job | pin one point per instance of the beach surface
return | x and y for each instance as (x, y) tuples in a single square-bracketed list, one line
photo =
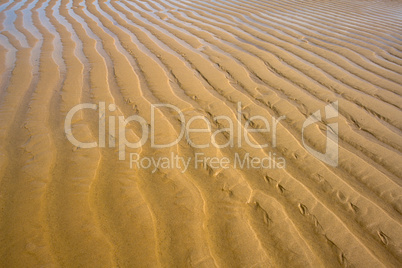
[(281, 120)]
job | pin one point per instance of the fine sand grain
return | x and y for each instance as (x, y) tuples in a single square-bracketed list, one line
[(66, 206)]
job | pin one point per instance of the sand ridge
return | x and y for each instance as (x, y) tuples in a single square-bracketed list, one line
[(64, 206)]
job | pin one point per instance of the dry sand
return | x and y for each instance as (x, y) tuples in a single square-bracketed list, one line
[(63, 206)]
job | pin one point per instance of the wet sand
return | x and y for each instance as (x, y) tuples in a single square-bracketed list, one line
[(66, 206)]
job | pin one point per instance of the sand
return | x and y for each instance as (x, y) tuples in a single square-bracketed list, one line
[(216, 62)]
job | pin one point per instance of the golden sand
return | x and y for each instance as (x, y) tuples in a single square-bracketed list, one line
[(66, 206)]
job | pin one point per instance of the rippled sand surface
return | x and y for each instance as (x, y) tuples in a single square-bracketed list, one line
[(66, 206)]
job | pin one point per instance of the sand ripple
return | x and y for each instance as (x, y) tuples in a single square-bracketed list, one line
[(62, 206)]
